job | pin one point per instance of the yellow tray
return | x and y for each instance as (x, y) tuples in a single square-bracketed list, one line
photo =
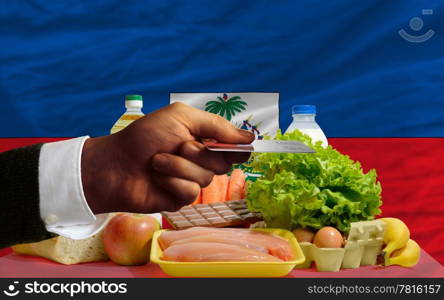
[(230, 268)]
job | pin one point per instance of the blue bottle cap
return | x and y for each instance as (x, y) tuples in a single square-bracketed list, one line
[(303, 109)]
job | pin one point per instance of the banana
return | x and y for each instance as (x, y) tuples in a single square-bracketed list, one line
[(407, 256), (396, 236)]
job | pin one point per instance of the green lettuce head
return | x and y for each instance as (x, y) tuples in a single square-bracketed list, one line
[(312, 190)]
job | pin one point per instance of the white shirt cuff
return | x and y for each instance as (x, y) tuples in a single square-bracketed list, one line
[(63, 205)]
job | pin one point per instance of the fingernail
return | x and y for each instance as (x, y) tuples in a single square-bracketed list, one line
[(159, 161), (195, 148), (246, 133), (191, 150)]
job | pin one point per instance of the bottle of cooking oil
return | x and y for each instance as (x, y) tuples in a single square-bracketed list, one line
[(133, 104)]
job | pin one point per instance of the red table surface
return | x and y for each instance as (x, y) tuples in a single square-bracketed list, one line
[(16, 266)]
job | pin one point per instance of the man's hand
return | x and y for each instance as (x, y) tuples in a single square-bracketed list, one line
[(157, 163)]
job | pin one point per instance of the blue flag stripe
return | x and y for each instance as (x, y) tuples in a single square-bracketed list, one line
[(65, 66)]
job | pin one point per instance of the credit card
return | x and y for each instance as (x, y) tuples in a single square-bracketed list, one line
[(261, 146)]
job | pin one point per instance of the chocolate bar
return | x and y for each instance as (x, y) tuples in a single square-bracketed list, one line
[(220, 214)]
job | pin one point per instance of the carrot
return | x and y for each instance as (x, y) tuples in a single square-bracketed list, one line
[(236, 186), (216, 191), (224, 187), (198, 198)]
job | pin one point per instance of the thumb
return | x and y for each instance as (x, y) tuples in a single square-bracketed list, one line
[(203, 124)]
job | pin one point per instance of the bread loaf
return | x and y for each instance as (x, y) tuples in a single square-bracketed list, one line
[(67, 251)]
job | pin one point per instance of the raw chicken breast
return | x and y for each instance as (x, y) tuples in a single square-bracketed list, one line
[(195, 252), (251, 239), (170, 236), (220, 239)]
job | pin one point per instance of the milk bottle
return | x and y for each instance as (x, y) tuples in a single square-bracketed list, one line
[(304, 120)]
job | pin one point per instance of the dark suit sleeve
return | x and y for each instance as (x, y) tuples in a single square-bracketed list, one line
[(20, 220)]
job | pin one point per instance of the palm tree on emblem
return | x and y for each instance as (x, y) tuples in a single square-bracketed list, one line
[(225, 107)]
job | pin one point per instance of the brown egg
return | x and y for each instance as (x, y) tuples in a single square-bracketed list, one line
[(328, 237), (303, 235)]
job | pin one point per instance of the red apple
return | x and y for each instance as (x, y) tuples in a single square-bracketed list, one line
[(127, 238)]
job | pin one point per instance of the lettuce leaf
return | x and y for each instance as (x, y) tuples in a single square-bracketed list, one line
[(312, 190)]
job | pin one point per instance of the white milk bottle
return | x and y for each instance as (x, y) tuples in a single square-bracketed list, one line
[(304, 120), (133, 104)]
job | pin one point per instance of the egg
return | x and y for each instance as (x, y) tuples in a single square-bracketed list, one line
[(328, 237), (303, 235)]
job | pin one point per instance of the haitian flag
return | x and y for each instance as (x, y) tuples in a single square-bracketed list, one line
[(255, 112), (374, 69)]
